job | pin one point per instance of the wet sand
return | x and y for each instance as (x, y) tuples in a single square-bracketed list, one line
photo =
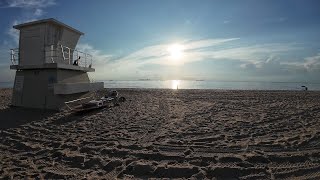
[(168, 134)]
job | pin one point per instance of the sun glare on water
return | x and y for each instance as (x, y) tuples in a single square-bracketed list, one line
[(175, 84), (175, 51)]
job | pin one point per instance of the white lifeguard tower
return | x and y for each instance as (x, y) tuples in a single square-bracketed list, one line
[(46, 75)]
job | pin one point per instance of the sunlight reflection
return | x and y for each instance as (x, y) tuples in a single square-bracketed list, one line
[(175, 84)]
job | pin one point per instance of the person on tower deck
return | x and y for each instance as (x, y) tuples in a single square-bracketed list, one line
[(76, 62)]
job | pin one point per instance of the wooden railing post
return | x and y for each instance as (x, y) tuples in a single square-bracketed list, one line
[(52, 54), (69, 56)]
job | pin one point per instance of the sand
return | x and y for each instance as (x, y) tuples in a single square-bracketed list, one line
[(168, 134)]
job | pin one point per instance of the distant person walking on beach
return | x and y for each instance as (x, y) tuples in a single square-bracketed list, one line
[(305, 88)]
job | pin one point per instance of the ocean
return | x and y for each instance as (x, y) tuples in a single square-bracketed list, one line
[(188, 84)]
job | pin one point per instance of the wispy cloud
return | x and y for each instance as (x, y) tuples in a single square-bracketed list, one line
[(208, 49), (205, 43), (312, 63), (101, 61), (276, 20), (28, 3), (38, 12), (272, 65), (226, 22), (13, 33), (100, 58), (159, 54), (252, 53), (301, 69), (307, 64), (258, 56)]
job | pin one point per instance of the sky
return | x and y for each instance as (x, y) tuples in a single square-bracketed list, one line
[(230, 40)]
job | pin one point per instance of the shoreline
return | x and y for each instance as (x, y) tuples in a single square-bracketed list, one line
[(170, 89), (224, 85)]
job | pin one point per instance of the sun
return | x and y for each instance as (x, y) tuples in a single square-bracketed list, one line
[(175, 51)]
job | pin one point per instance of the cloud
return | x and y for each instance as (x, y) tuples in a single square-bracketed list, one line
[(159, 54), (253, 53), (14, 33), (270, 66), (205, 43), (226, 49), (312, 63), (100, 61), (28, 3), (307, 64), (275, 68), (263, 58), (226, 22), (276, 20), (38, 12), (99, 57)]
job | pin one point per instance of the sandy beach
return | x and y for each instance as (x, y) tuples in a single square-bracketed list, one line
[(167, 134)]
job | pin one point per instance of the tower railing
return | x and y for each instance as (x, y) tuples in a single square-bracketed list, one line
[(14, 56), (66, 55), (58, 54)]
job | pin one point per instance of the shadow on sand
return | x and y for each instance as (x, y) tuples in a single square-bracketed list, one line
[(13, 117), (76, 116)]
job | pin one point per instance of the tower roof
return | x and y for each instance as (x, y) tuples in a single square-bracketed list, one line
[(50, 20)]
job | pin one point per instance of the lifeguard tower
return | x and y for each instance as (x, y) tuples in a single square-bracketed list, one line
[(46, 72)]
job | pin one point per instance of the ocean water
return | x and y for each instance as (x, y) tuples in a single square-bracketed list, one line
[(6, 84), (186, 84)]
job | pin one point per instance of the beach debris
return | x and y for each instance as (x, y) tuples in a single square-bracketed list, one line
[(112, 98)]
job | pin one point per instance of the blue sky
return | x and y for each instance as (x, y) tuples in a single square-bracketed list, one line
[(248, 40)]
